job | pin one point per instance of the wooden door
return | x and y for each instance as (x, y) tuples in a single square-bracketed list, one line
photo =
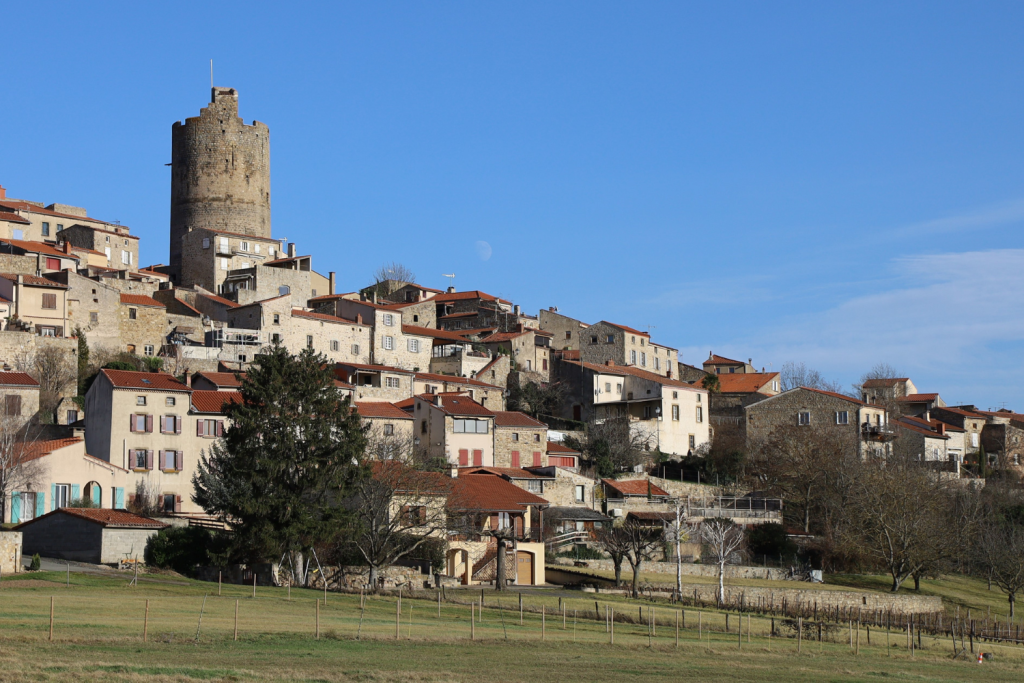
[(524, 568)]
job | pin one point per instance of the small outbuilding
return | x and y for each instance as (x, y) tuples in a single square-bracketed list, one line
[(93, 535)]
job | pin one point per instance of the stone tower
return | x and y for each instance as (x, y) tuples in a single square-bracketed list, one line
[(220, 173)]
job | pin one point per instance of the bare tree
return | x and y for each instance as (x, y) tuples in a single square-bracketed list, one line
[(390, 277), (1001, 554), (57, 374), (146, 501), (641, 543), (19, 464), (795, 375), (382, 444), (615, 444), (395, 512), (615, 541), (723, 540)]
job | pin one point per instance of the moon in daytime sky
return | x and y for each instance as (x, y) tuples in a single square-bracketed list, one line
[(483, 250)]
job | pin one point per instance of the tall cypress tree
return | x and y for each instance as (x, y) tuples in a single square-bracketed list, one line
[(291, 453)]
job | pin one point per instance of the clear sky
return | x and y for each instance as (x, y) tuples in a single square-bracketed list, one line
[(839, 184)]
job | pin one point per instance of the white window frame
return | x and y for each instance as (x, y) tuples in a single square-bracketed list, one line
[(393, 382), (803, 418), (389, 343), (842, 417), (389, 319), (414, 345)]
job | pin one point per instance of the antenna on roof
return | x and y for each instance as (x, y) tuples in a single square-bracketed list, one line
[(649, 328), (451, 278)]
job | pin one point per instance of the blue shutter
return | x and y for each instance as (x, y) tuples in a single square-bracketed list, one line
[(76, 492), (40, 504), (97, 496), (119, 498), (15, 508), (53, 497)]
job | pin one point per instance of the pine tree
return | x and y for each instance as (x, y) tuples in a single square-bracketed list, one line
[(291, 454)]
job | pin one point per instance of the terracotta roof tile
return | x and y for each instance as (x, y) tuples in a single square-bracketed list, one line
[(915, 398), (286, 259), (38, 248), (509, 418), (436, 334), (452, 379), (636, 372), (33, 280), (555, 447), (463, 296), (457, 404), (745, 383), (157, 381), (106, 518), (491, 493), (30, 450), (834, 394), (511, 472), (503, 337), (223, 379), (13, 218), (627, 329), (722, 360), (381, 409), (217, 299), (205, 401), (140, 300), (312, 315), (635, 487), (17, 379)]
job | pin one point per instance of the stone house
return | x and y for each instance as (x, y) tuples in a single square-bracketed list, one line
[(393, 343), (719, 365), (567, 333), (216, 381), (666, 414), (39, 258), (560, 455), (473, 310), (605, 341), (972, 422), (37, 304), (32, 221), (736, 392), (690, 373), (88, 535), (867, 425), (931, 441), (462, 360), (372, 383), (490, 396), (209, 256), (454, 428), (56, 472), (142, 322), (529, 350), (19, 397), (920, 404), (120, 249), (1003, 439), (534, 480), (519, 440), (496, 372), (389, 430), (95, 307), (886, 389)]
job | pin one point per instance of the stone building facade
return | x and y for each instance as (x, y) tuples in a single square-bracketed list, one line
[(120, 248), (210, 258), (530, 350), (454, 428), (605, 341), (519, 440), (967, 419), (220, 173), (490, 396), (142, 324)]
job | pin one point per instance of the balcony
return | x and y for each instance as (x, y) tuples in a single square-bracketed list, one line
[(877, 432)]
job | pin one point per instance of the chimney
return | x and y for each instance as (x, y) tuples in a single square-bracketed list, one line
[(330, 282), (941, 428), (927, 416), (517, 309), (750, 361), (188, 378), (359, 318), (609, 363), (453, 471), (451, 290), (3, 192), (66, 246), (291, 250), (437, 400), (373, 296)]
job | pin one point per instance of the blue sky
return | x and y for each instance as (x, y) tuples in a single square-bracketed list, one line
[(828, 183)]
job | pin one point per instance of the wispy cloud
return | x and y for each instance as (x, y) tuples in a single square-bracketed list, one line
[(985, 217), (954, 320)]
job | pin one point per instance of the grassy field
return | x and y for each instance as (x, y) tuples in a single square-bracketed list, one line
[(98, 635)]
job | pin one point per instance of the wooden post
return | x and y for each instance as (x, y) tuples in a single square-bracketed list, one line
[(289, 591), (542, 622), (145, 624), (799, 633), (739, 634), (612, 624), (410, 621), (236, 619), (318, 618), (398, 617), (438, 604), (654, 623), (700, 625), (574, 626), (325, 589), (677, 628), (472, 621), (218, 583), (563, 614), (772, 628), (51, 617), (857, 650), (254, 584), (850, 623), (520, 609)]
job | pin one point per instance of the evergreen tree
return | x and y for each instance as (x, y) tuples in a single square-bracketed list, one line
[(83, 360), (291, 454)]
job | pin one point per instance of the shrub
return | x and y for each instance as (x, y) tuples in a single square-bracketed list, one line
[(184, 548), (36, 563), (769, 539)]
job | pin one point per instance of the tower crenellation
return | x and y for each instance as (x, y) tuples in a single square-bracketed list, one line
[(220, 173)]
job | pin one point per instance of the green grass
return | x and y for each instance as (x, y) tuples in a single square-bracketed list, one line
[(955, 590), (98, 628)]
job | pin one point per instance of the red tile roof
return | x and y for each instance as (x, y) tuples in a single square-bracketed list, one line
[(312, 315), (491, 493), (118, 519), (374, 368), (145, 271), (33, 280), (217, 299), (452, 379), (157, 381), (463, 296), (636, 372), (722, 360), (223, 379), (933, 424), (627, 329), (405, 404), (635, 487), (884, 382), (919, 398), (38, 248), (457, 404), (436, 334), (12, 217), (555, 447), (511, 472), (17, 379), (745, 383), (30, 450), (87, 250), (503, 337), (916, 426), (204, 401), (965, 413), (35, 208), (509, 418), (140, 300), (834, 394), (381, 409), (464, 314)]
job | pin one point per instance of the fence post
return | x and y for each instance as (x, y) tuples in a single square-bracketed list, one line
[(439, 604), (236, 619), (145, 624), (218, 583), (318, 618), (677, 628), (542, 622), (398, 617), (472, 620), (799, 633), (612, 612), (51, 617), (254, 583)]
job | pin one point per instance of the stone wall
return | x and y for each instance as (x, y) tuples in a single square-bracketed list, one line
[(148, 328), (562, 491), (10, 552), (530, 440), (19, 265), (120, 544), (18, 349), (94, 307), (782, 410), (356, 578), (689, 569)]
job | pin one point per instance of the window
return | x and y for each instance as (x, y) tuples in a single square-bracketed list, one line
[(284, 289), (275, 337), (536, 438), (415, 318), (223, 241), (223, 264), (580, 493), (675, 413), (314, 292), (140, 400), (529, 365), (700, 414), (647, 412), (94, 317), (643, 360), (170, 401), (414, 346), (139, 460), (632, 340), (72, 416), (206, 243), (50, 301), (607, 387), (610, 339), (245, 246), (52, 263), (170, 424), (657, 363), (355, 349), (515, 436), (842, 417), (618, 387), (257, 248), (632, 357), (47, 331), (309, 341), (392, 382), (170, 501), (974, 440), (389, 430), (18, 234), (133, 314), (803, 418), (277, 318), (126, 257), (147, 350), (389, 343), (535, 485), (62, 495), (46, 229), (335, 345), (167, 460), (209, 427), (693, 441), (775, 385), (675, 394), (515, 459), (12, 405), (568, 334), (698, 398), (389, 319), (106, 250), (271, 251), (545, 362), (470, 426)]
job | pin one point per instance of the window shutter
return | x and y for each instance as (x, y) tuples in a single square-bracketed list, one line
[(199, 428), (40, 506), (478, 458), (119, 498), (177, 503), (53, 497), (178, 460), (220, 427), (131, 422), (15, 507), (463, 457), (149, 423), (76, 492), (515, 458), (177, 424), (149, 460), (536, 458)]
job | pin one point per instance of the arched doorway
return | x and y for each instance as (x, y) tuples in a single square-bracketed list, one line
[(94, 493)]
